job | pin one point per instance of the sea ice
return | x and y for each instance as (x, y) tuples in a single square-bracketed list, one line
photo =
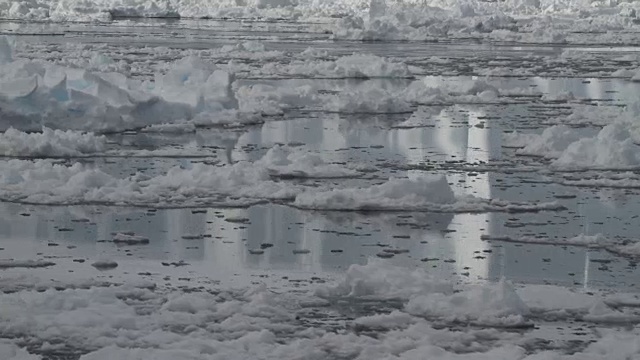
[(35, 94), (144, 323), (362, 66), (50, 143), (283, 161), (427, 193), (612, 147)]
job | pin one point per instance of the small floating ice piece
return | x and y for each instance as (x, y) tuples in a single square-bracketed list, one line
[(385, 255), (129, 238), (105, 265), (7, 264), (395, 251), (238, 220)]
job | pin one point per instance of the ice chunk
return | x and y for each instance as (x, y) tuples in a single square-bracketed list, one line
[(491, 304), (381, 279), (424, 295), (353, 66), (438, 89), (45, 182), (553, 141), (370, 100), (283, 161), (50, 143), (396, 194), (33, 94), (8, 264), (105, 265), (427, 193), (612, 147), (271, 100)]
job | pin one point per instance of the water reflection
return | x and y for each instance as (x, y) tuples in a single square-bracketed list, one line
[(450, 245)]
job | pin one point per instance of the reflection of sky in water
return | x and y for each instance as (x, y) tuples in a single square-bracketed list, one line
[(335, 240)]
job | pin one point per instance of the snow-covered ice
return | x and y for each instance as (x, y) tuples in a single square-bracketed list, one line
[(283, 161), (34, 94), (50, 143), (104, 322), (428, 193)]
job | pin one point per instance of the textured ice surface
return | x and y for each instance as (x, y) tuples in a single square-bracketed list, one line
[(35, 94), (140, 320), (529, 21), (45, 182), (427, 193), (353, 66), (239, 184), (612, 147), (50, 143), (286, 162)]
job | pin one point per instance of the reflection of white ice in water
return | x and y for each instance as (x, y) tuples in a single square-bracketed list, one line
[(620, 89), (473, 144), (456, 136), (225, 251)]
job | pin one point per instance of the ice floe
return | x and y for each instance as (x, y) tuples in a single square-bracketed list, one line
[(613, 147), (10, 264), (285, 162), (44, 182), (623, 247), (150, 322), (35, 94), (361, 66), (240, 184), (428, 193), (50, 143)]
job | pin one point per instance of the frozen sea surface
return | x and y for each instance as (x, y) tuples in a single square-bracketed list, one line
[(269, 188)]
